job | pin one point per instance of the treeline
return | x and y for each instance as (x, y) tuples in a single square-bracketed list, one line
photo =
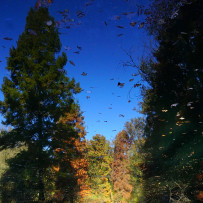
[(156, 158)]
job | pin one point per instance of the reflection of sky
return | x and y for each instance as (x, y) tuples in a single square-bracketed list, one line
[(101, 56)]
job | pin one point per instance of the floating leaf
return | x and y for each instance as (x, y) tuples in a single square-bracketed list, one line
[(121, 84), (137, 85), (49, 23), (7, 38), (119, 26), (141, 25), (72, 63), (133, 24), (80, 48)]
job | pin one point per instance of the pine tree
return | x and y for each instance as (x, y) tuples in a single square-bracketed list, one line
[(36, 95)]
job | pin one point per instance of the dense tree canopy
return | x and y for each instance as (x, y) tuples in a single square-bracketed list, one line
[(173, 107), (36, 95)]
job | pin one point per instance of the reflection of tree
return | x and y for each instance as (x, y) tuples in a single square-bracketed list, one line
[(173, 104), (36, 95), (120, 168), (99, 159)]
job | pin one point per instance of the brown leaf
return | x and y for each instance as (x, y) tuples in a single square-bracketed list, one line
[(133, 24), (119, 26), (72, 63)]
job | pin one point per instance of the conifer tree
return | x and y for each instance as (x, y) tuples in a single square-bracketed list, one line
[(36, 95)]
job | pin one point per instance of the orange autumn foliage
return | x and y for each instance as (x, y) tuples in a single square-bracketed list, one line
[(79, 162)]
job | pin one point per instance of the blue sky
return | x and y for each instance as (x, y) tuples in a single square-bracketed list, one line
[(102, 56)]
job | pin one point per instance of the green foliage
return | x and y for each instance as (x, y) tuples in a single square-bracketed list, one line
[(173, 107), (36, 95), (100, 159), (135, 130)]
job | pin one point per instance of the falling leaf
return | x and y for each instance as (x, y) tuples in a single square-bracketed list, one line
[(182, 118), (133, 24), (121, 115), (129, 101), (116, 17), (131, 80), (174, 105), (72, 63), (135, 74), (105, 121), (119, 35), (125, 13), (121, 84), (119, 26), (88, 97), (80, 48), (189, 103), (141, 25), (7, 38), (80, 14), (163, 135), (84, 74), (112, 79), (137, 85), (164, 110), (76, 52), (113, 130), (105, 23), (49, 23)]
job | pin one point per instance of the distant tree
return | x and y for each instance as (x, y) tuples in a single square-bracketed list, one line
[(135, 129), (36, 95), (99, 172), (120, 168)]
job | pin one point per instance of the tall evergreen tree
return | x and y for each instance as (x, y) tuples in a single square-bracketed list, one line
[(36, 95)]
